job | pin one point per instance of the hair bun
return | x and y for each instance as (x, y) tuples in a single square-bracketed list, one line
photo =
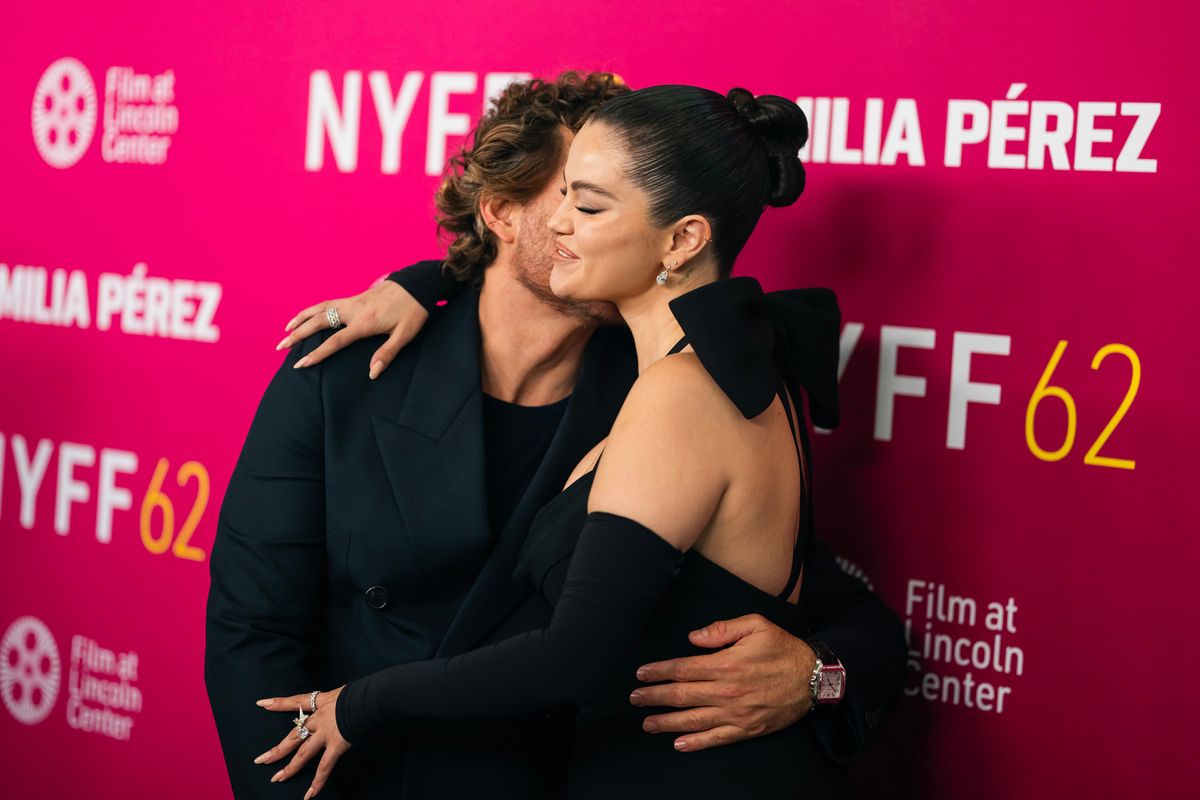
[(744, 104), (784, 129)]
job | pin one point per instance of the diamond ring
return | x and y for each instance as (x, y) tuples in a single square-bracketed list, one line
[(301, 731), (335, 321)]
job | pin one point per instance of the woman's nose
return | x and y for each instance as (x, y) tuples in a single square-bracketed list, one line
[(560, 221)]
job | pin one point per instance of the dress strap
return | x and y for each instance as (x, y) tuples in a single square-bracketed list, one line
[(805, 522)]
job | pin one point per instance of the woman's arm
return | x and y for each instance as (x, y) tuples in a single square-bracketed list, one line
[(428, 282), (398, 307), (639, 524), (615, 580)]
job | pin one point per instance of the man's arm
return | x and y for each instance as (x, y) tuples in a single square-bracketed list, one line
[(868, 638), (759, 682), (267, 567)]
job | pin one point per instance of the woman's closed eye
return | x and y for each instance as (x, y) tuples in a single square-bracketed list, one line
[(563, 191)]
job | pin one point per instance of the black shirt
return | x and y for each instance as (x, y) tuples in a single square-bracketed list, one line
[(516, 439)]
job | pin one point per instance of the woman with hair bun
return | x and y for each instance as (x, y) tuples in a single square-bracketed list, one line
[(696, 505)]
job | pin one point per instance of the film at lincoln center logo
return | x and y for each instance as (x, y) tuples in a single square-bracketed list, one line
[(64, 113), (30, 670), (137, 123)]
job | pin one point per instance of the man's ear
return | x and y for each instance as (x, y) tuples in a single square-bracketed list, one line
[(498, 216)]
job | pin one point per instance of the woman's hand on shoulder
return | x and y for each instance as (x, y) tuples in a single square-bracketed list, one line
[(386, 307), (662, 465)]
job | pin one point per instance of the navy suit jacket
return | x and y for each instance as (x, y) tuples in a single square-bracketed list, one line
[(354, 535)]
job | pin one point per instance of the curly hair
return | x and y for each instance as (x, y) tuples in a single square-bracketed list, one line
[(512, 153)]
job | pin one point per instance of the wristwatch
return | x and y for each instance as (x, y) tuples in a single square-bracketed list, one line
[(828, 681)]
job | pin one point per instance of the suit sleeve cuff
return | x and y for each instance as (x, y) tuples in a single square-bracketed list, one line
[(872, 688)]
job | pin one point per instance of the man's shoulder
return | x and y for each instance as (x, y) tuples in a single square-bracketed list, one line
[(366, 346), (350, 356), (349, 367), (611, 350)]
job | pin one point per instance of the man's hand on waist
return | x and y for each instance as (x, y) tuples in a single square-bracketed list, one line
[(757, 684)]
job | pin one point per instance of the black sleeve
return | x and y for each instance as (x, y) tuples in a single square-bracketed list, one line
[(867, 637), (428, 282), (616, 578), (267, 571)]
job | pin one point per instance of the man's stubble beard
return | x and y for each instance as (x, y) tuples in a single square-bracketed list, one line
[(533, 264)]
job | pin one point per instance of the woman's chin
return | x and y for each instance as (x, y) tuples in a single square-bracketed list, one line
[(564, 279)]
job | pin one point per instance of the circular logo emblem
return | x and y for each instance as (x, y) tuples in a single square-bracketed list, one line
[(29, 670), (850, 568), (64, 113)]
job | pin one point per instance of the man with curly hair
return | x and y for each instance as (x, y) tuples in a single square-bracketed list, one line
[(376, 519)]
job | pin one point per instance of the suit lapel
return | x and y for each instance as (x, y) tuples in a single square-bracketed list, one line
[(432, 447), (608, 370)]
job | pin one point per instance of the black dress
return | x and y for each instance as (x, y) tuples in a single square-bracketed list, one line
[(623, 596)]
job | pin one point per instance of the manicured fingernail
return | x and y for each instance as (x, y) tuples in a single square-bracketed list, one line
[(308, 794), (282, 343), (301, 363), (262, 758), (642, 674), (275, 777), (635, 697), (701, 633), (264, 703), (680, 744), (291, 324), (376, 368), (649, 726)]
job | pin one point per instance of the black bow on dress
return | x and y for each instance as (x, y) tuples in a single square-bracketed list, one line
[(741, 335)]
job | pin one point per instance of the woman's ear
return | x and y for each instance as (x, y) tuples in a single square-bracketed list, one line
[(497, 214), (690, 240)]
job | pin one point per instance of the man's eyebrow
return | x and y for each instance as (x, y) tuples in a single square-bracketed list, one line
[(591, 187)]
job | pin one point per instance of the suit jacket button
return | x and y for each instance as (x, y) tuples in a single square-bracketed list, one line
[(377, 597)]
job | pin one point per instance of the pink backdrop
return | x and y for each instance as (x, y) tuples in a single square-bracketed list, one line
[(982, 186)]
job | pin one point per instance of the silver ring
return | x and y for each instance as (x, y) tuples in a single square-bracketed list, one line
[(312, 701), (303, 732), (335, 321)]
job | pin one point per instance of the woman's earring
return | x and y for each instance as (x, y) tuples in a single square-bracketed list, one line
[(661, 280)]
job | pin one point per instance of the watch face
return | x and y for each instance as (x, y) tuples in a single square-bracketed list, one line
[(832, 684)]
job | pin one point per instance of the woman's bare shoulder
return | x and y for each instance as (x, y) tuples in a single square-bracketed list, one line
[(679, 382), (668, 435)]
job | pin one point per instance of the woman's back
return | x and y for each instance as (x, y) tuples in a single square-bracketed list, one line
[(751, 470), (612, 755), (741, 479)]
